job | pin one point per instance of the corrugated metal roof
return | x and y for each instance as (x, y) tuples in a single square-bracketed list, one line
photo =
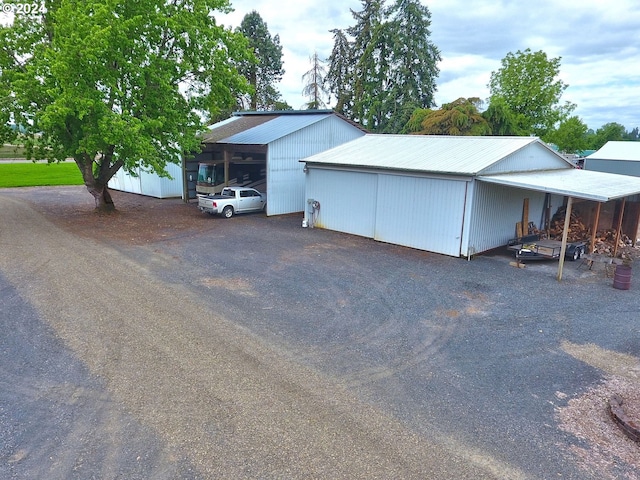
[(586, 184), (629, 151), (426, 153), (277, 127)]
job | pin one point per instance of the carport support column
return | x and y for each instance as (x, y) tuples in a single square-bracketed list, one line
[(594, 229), (565, 234)]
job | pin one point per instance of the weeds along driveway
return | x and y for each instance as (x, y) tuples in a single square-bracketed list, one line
[(488, 364)]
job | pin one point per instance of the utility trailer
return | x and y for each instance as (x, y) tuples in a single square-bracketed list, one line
[(532, 247)]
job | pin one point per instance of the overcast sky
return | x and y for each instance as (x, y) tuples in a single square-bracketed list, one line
[(598, 40)]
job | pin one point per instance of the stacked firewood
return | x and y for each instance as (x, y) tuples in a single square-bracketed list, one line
[(577, 229), (605, 240)]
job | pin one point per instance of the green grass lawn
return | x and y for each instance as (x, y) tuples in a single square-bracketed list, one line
[(39, 174)]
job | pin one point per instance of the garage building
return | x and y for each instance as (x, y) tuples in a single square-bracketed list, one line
[(616, 157), (259, 149), (452, 195), (263, 150)]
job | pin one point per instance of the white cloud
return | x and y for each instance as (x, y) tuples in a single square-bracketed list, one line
[(598, 42)]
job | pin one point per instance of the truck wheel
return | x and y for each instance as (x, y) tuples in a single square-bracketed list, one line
[(227, 212), (577, 253)]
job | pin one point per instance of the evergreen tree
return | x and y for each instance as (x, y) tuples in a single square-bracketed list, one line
[(369, 51), (266, 70), (388, 69), (314, 88), (338, 80), (413, 65)]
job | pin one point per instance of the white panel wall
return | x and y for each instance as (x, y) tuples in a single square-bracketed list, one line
[(622, 167), (149, 183), (496, 210), (423, 213), (532, 157), (285, 178), (347, 200), (418, 212)]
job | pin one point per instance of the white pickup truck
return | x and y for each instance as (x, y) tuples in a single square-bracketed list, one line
[(233, 200)]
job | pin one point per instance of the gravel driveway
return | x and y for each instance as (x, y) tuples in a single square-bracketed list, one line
[(178, 345)]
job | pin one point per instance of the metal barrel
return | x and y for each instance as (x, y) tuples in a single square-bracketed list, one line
[(622, 277)]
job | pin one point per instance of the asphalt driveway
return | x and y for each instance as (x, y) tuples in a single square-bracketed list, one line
[(337, 346)]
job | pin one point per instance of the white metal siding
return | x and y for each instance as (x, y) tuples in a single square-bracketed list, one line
[(532, 157), (285, 178), (417, 212), (347, 200), (496, 210), (423, 213), (125, 182), (621, 167), (149, 183)]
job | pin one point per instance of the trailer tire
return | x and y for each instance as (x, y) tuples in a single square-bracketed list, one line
[(577, 253), (227, 212)]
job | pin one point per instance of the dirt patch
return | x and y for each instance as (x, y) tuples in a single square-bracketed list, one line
[(138, 219), (587, 416)]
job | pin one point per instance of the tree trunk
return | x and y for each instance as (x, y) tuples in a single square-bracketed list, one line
[(104, 202), (99, 190)]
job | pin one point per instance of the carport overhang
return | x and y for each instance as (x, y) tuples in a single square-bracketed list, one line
[(571, 183)]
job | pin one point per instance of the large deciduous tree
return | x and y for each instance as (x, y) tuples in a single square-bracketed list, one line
[(528, 85), (265, 70), (570, 136), (116, 84), (609, 132), (384, 67)]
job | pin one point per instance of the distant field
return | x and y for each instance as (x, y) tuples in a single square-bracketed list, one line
[(11, 151), (39, 174)]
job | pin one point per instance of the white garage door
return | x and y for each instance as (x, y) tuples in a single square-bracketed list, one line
[(347, 200), (423, 213)]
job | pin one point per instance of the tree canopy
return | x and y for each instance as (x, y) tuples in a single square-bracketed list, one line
[(116, 84), (384, 66), (265, 70), (527, 84), (570, 136), (460, 117)]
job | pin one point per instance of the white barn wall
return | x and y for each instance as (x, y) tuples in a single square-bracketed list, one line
[(347, 200), (149, 183), (415, 211), (621, 167), (285, 178), (532, 157), (420, 212), (495, 211), (160, 187), (125, 182)]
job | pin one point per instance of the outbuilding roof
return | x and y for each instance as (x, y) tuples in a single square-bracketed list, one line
[(425, 153), (585, 184), (261, 128), (629, 151), (473, 156)]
